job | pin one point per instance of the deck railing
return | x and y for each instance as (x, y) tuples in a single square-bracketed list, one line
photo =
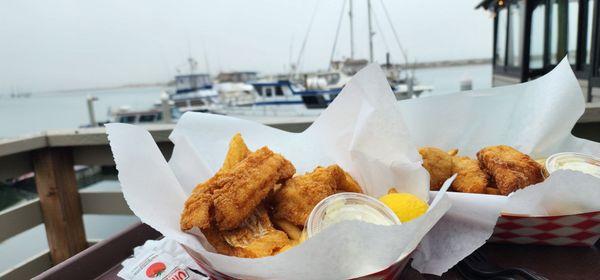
[(60, 206)]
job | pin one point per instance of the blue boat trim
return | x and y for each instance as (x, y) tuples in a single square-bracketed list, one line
[(279, 102), (286, 83)]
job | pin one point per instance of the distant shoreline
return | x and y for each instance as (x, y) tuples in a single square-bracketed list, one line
[(451, 63), (417, 65), (137, 85)]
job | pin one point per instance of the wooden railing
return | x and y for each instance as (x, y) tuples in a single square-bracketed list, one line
[(60, 205)]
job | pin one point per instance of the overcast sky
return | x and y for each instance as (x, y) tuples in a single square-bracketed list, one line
[(66, 44)]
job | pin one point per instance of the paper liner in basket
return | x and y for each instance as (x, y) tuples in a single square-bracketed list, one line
[(362, 131), (534, 117)]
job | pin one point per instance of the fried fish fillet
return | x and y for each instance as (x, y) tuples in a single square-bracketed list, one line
[(245, 186), (293, 231), (345, 182), (237, 152), (298, 196), (256, 237), (198, 205), (494, 191), (471, 178), (439, 165), (196, 211), (509, 168), (232, 194)]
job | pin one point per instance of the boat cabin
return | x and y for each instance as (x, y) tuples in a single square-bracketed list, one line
[(331, 78), (349, 66), (154, 115), (271, 89), (284, 92), (192, 82), (237, 77), (533, 36)]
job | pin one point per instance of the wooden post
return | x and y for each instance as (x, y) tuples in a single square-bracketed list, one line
[(61, 207)]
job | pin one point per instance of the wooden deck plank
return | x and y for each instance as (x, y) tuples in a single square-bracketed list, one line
[(97, 135), (104, 203), (29, 268), (22, 144), (20, 218)]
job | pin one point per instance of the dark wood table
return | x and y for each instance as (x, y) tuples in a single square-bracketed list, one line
[(103, 260)]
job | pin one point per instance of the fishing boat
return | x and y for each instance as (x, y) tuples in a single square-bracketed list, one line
[(126, 114), (278, 98), (234, 88), (343, 70), (194, 91), (402, 82)]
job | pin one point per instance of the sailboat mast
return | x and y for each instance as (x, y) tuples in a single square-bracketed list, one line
[(351, 32), (370, 31)]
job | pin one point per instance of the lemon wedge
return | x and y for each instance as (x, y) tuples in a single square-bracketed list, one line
[(405, 205)]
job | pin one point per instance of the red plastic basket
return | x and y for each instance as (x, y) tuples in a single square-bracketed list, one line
[(567, 230)]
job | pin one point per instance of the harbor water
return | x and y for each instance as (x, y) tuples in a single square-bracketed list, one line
[(67, 110)]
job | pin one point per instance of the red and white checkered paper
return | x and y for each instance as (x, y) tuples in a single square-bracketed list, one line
[(569, 230)]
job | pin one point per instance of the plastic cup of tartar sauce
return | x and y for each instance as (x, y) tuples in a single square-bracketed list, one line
[(348, 207), (573, 161)]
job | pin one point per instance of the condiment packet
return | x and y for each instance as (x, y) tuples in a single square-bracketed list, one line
[(160, 260)]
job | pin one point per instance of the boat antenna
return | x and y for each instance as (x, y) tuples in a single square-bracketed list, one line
[(206, 59), (371, 33), (193, 64), (291, 64), (189, 45), (191, 60), (351, 31), (387, 47), (312, 19), (337, 33), (402, 51)]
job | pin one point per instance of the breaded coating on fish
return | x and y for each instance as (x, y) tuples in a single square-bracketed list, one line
[(244, 187), (439, 165), (509, 168), (196, 212), (299, 195), (471, 178)]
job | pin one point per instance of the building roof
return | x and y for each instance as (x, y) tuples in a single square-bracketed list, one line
[(487, 4)]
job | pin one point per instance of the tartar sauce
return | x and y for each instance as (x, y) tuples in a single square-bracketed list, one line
[(574, 161), (581, 166), (339, 211), (348, 207)]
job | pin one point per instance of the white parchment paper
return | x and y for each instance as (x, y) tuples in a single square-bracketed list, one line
[(534, 117), (362, 131)]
